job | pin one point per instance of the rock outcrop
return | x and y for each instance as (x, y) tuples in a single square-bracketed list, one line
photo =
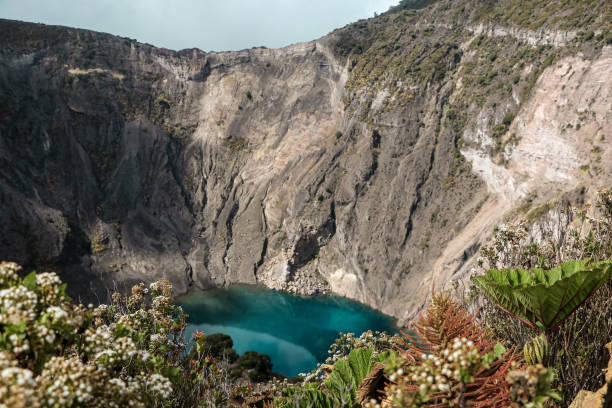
[(600, 399), (372, 162)]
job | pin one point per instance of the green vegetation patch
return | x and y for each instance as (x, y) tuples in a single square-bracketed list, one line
[(536, 14)]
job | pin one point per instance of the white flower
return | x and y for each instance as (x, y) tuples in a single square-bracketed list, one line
[(8, 272), (19, 303), (57, 313), (159, 384), (48, 279)]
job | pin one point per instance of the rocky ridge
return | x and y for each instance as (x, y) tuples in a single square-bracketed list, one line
[(372, 162)]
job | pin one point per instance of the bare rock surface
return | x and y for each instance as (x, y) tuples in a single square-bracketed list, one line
[(308, 168)]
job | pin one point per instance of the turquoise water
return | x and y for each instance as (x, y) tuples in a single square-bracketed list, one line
[(294, 331)]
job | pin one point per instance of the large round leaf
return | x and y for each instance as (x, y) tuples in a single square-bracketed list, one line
[(544, 296)]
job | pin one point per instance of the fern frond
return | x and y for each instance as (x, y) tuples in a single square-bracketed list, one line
[(435, 330)]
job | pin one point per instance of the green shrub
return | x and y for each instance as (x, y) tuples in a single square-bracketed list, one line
[(220, 346), (451, 114), (258, 366), (236, 144), (508, 118)]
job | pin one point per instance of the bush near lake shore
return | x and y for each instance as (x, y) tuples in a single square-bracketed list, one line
[(220, 346), (251, 366)]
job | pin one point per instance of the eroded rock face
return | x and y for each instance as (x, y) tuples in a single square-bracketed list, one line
[(147, 163), (122, 162)]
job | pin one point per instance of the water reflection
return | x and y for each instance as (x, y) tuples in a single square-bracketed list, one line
[(294, 331)]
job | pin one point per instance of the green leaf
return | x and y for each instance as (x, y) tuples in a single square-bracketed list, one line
[(16, 328), (499, 350), (343, 381), (62, 289), (121, 331), (385, 356), (360, 363), (544, 298), (30, 281), (171, 372), (340, 379), (310, 395)]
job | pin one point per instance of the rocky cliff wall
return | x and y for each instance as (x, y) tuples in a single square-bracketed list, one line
[(373, 162)]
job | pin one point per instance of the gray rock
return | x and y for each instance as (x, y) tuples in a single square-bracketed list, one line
[(122, 162)]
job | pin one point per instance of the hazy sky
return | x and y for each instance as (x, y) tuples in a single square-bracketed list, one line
[(205, 24)]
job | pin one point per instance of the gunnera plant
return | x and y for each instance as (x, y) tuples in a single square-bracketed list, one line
[(543, 298), (561, 234)]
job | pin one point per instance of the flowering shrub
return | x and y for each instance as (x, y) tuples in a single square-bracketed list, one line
[(454, 367), (128, 353), (562, 234), (532, 387), (35, 315), (18, 387), (347, 342)]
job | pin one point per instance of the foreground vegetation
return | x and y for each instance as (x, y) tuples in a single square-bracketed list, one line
[(529, 333), (129, 353)]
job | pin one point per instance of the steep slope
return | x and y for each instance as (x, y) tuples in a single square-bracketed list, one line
[(372, 162)]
